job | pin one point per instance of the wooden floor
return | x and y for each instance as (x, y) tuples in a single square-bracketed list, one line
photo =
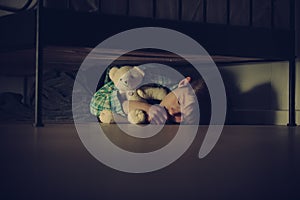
[(248, 162)]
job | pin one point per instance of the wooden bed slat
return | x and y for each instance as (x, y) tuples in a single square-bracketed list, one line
[(217, 40), (91, 29), (21, 62)]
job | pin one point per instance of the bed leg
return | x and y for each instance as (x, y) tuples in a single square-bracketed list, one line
[(292, 90), (38, 69), (38, 91), (292, 67)]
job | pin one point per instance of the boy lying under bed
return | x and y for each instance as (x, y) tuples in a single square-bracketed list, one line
[(180, 105)]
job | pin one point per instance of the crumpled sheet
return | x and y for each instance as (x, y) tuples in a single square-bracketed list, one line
[(13, 109), (56, 101)]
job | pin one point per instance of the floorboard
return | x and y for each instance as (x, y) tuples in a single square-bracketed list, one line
[(248, 162)]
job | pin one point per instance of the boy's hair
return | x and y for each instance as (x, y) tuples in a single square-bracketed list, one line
[(204, 102), (198, 86)]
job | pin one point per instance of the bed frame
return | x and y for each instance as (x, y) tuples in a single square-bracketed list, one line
[(45, 29)]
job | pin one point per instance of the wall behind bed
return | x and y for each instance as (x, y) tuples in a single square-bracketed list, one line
[(258, 93)]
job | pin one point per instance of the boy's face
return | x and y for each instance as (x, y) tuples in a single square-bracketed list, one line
[(180, 103), (172, 105)]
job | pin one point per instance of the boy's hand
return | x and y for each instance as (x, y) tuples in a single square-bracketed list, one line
[(157, 114)]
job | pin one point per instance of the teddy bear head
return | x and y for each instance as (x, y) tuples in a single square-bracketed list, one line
[(127, 77)]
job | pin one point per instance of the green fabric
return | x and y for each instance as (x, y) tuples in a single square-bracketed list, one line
[(106, 98)]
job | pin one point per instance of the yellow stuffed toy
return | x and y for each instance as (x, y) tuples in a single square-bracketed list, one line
[(127, 80)]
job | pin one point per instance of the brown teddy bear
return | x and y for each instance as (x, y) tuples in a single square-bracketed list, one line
[(127, 80)]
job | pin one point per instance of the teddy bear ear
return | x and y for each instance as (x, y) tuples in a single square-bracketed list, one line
[(184, 82), (139, 70), (112, 72)]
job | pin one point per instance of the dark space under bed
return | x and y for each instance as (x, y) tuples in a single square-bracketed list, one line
[(66, 37)]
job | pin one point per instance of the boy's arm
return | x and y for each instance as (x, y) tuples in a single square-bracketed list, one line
[(132, 105), (156, 114)]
